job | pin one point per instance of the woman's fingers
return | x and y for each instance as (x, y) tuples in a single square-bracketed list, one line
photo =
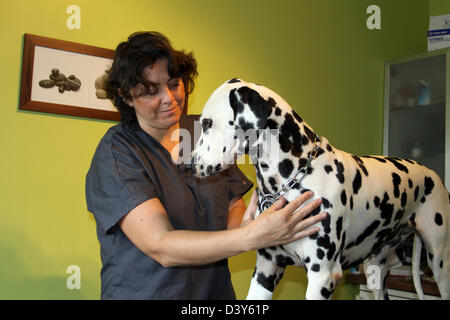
[(301, 227), (310, 221), (306, 210), (276, 206), (305, 233), (297, 202)]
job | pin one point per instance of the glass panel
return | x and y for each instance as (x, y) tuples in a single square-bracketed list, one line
[(417, 112)]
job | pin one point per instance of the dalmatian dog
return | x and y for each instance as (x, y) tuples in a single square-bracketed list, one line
[(373, 202)]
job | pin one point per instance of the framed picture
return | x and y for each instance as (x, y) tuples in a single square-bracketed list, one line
[(64, 77)]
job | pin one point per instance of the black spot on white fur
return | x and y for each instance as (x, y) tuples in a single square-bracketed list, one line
[(272, 124), (235, 104), (290, 138), (396, 181), (429, 185), (366, 233), (387, 209), (357, 182), (326, 204), (315, 267), (339, 228), (285, 168), (361, 164), (328, 168), (320, 254), (265, 254), (376, 201), (340, 171), (326, 224), (267, 282), (206, 124), (284, 261), (311, 135), (380, 159), (404, 198), (438, 219), (234, 80), (296, 116), (273, 184), (397, 164), (343, 198), (326, 293), (261, 108)]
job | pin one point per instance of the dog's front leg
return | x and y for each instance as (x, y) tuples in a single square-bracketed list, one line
[(266, 276), (322, 280)]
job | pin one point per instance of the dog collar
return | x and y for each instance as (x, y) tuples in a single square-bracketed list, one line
[(268, 200)]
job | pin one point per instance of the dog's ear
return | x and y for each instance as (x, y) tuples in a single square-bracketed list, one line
[(235, 104), (258, 105)]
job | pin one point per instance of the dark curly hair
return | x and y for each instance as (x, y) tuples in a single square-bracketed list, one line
[(143, 49)]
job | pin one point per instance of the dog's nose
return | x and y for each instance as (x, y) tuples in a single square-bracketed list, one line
[(190, 167)]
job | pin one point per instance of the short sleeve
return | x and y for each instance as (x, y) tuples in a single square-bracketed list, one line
[(238, 183), (116, 183)]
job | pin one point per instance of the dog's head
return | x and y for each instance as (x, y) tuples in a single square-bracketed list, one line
[(231, 122)]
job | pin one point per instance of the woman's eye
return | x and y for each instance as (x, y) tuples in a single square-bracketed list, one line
[(152, 90), (174, 85), (149, 92)]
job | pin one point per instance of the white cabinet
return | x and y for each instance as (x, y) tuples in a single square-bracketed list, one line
[(417, 110)]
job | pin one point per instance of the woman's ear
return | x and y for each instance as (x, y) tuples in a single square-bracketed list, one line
[(127, 101)]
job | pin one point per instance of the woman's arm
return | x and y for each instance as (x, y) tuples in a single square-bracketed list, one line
[(236, 212), (149, 228)]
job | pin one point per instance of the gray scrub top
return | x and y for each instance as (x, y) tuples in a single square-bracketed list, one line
[(130, 167)]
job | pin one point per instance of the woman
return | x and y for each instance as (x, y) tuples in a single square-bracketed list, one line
[(165, 234)]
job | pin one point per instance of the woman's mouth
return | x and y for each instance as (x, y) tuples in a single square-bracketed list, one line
[(168, 110)]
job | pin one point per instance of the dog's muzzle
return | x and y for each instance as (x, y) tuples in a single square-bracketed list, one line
[(190, 167)]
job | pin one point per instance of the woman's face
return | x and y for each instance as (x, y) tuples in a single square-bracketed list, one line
[(161, 107)]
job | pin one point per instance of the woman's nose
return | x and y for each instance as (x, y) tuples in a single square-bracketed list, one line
[(168, 97)]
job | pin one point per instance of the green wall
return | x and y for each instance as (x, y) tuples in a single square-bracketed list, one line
[(318, 55), (439, 7)]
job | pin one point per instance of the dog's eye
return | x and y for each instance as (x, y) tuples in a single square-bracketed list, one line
[(206, 124)]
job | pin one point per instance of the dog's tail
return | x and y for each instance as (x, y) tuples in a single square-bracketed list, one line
[(415, 261)]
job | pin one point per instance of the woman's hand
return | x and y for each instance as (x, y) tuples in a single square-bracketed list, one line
[(278, 225)]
